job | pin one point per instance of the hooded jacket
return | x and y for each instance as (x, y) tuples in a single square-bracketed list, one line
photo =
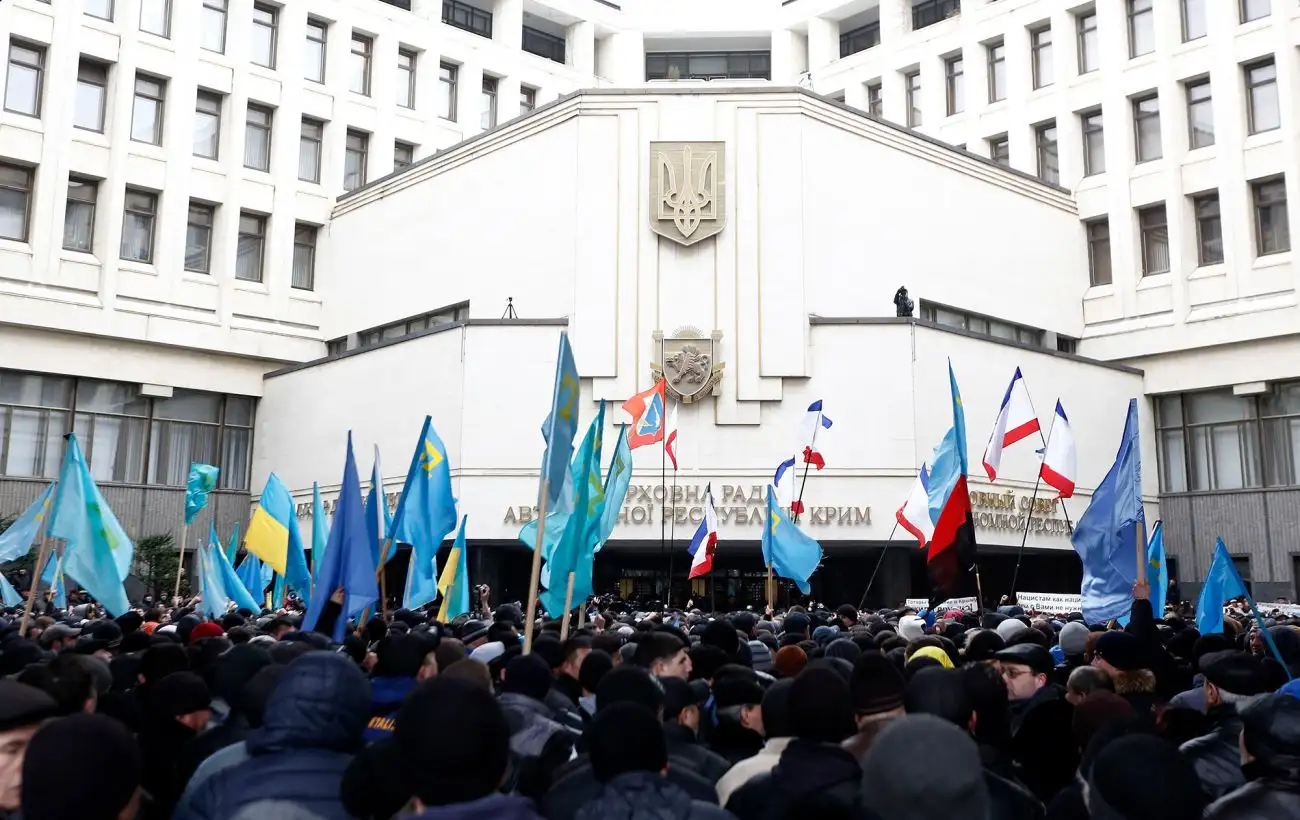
[(1217, 756), (810, 780), (313, 726), (492, 807), (647, 796)]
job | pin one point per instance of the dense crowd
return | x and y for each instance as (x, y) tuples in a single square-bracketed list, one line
[(647, 713)]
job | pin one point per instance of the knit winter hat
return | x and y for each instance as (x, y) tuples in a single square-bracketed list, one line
[(950, 784), (790, 661), (983, 645), (527, 675), (932, 652), (843, 648), (821, 709), (911, 627), (760, 657), (1073, 638), (101, 790), (442, 773), (1121, 650), (1237, 672), (180, 693), (207, 629), (23, 705), (625, 737), (1011, 628), (630, 684), (1141, 777), (876, 685)]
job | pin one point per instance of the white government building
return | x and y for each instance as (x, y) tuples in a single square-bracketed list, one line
[(230, 231)]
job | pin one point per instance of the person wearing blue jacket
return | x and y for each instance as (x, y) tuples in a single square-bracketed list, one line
[(313, 726)]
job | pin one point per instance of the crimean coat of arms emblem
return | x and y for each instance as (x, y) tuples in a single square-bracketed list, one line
[(688, 363)]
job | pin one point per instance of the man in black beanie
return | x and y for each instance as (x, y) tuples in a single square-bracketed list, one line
[(629, 757), (457, 779), (815, 776), (176, 712), (1142, 777), (231, 674), (400, 660), (22, 708), (737, 699), (109, 789), (681, 719), (876, 690), (1233, 680), (538, 742)]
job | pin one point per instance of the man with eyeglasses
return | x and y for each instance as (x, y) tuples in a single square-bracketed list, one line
[(1039, 713)]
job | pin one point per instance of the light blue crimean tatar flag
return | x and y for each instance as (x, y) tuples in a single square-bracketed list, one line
[(230, 580), (786, 549), (8, 595), (577, 545), (379, 522), (98, 552), (617, 481), (561, 424), (1106, 536), (426, 514), (202, 480), (53, 578), (320, 533), (1157, 570), (250, 575), (1222, 584), (26, 528)]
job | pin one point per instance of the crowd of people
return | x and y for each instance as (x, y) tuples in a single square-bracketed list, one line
[(640, 713)]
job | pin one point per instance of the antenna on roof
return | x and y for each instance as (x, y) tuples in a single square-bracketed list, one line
[(510, 309)]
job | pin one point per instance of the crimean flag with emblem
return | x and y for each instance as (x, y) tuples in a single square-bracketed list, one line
[(647, 411), (426, 514)]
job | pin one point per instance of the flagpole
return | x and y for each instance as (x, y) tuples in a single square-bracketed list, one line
[(663, 485), (537, 564), (41, 558), (58, 571), (879, 561), (794, 516), (180, 563), (672, 540), (1044, 439), (1029, 519), (568, 607)]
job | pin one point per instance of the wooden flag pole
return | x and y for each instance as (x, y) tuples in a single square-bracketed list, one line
[(568, 607), (58, 571), (41, 558), (537, 565), (769, 588), (1139, 536), (582, 614), (180, 564)]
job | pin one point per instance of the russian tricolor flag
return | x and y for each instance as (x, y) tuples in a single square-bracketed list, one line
[(813, 423), (705, 541), (670, 440), (783, 483), (1060, 462), (914, 515), (1016, 419)]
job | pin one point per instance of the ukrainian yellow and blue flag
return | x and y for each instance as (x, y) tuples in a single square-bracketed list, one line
[(453, 584), (273, 536)]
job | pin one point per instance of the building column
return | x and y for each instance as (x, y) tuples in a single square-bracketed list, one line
[(823, 42), (507, 98), (580, 48), (508, 22), (789, 56), (624, 61)]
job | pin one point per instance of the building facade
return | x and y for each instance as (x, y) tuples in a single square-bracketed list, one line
[(171, 172)]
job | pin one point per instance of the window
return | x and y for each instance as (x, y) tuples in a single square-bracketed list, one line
[(103, 9), (147, 115), (1098, 251), (1153, 226), (464, 16), (15, 200), (250, 247), (79, 214), (1208, 441), (198, 237), (26, 74), (405, 78), (956, 84), (1262, 111), (1040, 44), (1094, 143), (415, 324), (875, 100), (447, 77), (997, 54), (1255, 9), (92, 85), (1000, 150), (403, 155), (928, 12), (1272, 234), (265, 23), (1049, 169), (1146, 125), (1280, 408), (980, 324), (205, 427), (35, 413), (527, 99), (207, 124), (359, 67), (140, 213), (708, 65), (309, 149), (257, 138), (860, 39), (912, 87), (1209, 228), (313, 56), (213, 26), (488, 104), (1200, 115), (156, 17), (354, 159), (543, 44), (1141, 28), (1089, 48), (304, 256), (1193, 12)]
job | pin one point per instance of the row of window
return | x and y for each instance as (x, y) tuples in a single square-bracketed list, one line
[(1216, 440), (1271, 230), (126, 437), (708, 65), (140, 214), (405, 327), (991, 327)]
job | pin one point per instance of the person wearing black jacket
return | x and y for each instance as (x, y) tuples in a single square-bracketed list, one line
[(1270, 742), (816, 777), (682, 723), (1232, 681)]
